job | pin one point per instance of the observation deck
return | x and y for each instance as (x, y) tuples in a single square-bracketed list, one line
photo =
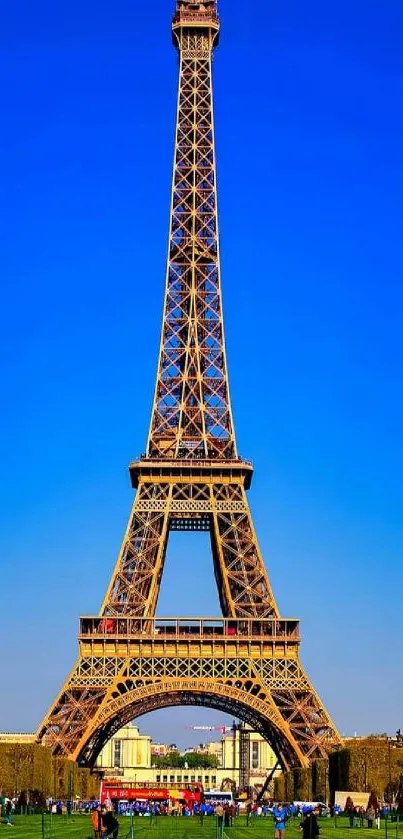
[(191, 469), (209, 628), (181, 646), (193, 15)]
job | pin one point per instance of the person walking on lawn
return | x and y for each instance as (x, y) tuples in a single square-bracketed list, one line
[(8, 811), (110, 824), (96, 821), (310, 827), (279, 815)]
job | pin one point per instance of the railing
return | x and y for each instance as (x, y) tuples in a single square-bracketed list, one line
[(164, 464), (190, 628), (144, 460), (203, 16)]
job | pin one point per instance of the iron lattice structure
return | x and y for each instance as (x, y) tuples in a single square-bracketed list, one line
[(191, 478)]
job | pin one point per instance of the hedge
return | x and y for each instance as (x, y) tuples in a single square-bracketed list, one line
[(28, 766), (365, 765)]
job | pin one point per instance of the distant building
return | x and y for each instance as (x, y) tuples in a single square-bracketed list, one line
[(215, 748), (129, 756), (159, 749), (17, 737), (125, 753), (200, 749)]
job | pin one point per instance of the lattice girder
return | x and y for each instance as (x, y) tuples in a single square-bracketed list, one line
[(119, 678), (243, 584), (191, 478), (192, 413)]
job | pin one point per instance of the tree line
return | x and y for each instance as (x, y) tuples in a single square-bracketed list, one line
[(191, 760), (364, 765), (31, 773)]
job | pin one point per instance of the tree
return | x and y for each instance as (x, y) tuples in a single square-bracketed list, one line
[(399, 794), (193, 760), (171, 759)]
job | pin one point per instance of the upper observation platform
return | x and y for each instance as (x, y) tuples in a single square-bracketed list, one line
[(193, 16)]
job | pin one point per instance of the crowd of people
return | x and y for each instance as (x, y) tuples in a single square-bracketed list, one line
[(105, 824), (369, 816)]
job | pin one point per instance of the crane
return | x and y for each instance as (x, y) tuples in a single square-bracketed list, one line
[(222, 728)]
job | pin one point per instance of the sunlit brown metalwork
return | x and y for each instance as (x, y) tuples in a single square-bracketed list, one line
[(191, 478)]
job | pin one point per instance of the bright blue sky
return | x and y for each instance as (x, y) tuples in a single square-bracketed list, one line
[(309, 139)]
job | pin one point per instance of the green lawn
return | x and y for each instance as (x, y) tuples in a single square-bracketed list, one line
[(79, 827)]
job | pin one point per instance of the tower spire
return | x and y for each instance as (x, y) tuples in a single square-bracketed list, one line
[(192, 415)]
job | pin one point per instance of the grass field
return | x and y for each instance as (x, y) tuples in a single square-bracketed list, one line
[(79, 827)]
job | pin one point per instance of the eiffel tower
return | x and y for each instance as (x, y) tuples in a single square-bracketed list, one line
[(245, 663)]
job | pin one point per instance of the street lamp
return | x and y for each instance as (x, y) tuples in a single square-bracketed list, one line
[(390, 795), (389, 767), (364, 768)]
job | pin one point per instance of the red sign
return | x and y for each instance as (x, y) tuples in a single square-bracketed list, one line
[(149, 794)]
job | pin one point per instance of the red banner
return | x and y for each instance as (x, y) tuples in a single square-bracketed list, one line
[(148, 794)]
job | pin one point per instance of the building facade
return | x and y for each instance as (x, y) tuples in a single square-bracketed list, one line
[(126, 752), (129, 756), (17, 737)]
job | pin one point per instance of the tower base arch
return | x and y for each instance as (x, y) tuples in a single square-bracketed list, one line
[(254, 674)]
